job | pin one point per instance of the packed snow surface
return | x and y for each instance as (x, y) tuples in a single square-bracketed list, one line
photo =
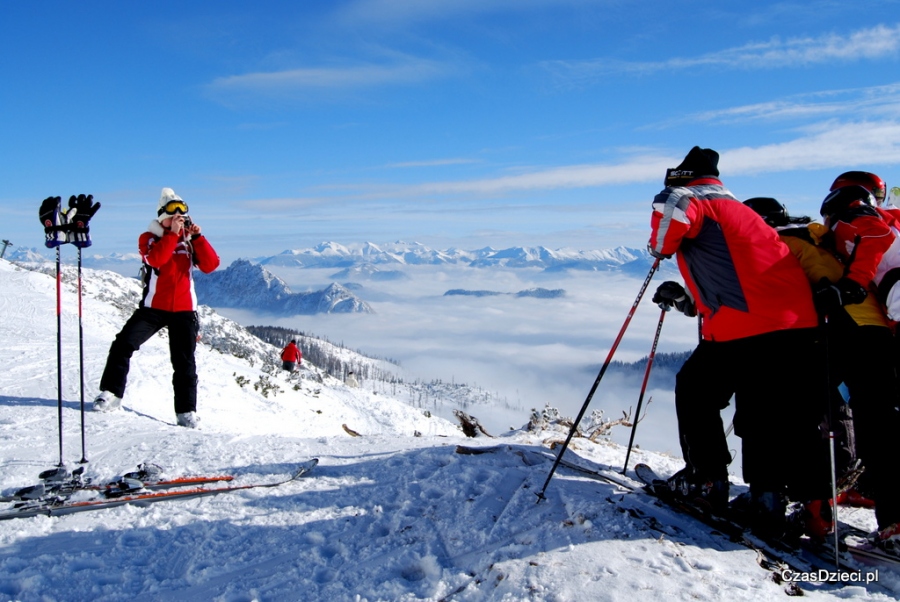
[(392, 514)]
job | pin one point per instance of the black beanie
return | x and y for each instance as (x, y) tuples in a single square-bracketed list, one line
[(699, 162)]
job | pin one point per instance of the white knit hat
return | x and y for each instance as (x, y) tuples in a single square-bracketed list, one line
[(167, 195)]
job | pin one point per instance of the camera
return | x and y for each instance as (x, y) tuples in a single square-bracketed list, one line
[(187, 222)]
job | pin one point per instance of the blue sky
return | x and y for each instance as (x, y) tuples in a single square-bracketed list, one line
[(461, 123)]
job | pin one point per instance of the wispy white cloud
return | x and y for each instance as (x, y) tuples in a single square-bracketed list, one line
[(570, 176), (823, 146), (304, 79), (881, 41), (403, 12), (826, 145), (433, 163), (872, 102), (262, 127)]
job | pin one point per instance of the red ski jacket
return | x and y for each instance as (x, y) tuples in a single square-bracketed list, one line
[(869, 242), (743, 277), (168, 264), (291, 353)]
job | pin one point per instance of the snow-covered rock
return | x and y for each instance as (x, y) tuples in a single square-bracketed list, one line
[(251, 286)]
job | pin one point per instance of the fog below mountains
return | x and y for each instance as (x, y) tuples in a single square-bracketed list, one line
[(530, 351)]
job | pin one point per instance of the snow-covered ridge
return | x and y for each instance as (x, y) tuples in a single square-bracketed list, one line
[(538, 293), (251, 286), (385, 262), (334, 255)]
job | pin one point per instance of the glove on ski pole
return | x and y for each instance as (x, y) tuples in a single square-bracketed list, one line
[(81, 209), (54, 222)]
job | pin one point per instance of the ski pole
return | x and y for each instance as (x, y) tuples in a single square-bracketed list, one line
[(828, 394), (830, 415), (609, 357), (59, 354), (637, 413), (81, 360)]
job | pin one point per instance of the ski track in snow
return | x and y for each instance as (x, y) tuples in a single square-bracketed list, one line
[(385, 516)]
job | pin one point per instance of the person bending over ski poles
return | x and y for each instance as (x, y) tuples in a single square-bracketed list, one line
[(170, 248), (758, 332)]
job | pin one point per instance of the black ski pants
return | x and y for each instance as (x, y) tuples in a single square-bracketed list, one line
[(777, 411), (184, 326), (863, 357)]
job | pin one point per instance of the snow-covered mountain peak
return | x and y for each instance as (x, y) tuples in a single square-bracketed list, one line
[(251, 286)]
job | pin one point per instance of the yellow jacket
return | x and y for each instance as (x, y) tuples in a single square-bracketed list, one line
[(818, 262)]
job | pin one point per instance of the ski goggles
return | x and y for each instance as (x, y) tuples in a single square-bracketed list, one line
[(174, 207)]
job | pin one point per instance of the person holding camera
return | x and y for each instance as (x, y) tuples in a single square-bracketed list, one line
[(170, 248)]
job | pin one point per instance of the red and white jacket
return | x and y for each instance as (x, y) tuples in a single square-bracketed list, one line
[(868, 240), (744, 279), (169, 260)]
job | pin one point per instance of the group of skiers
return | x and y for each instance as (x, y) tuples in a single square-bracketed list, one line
[(792, 313)]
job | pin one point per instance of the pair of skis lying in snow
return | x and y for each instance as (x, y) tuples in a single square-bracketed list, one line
[(797, 559), (59, 492)]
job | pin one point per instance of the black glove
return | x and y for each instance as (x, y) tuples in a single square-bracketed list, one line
[(827, 297), (852, 292), (54, 222), (81, 209), (656, 254), (671, 294)]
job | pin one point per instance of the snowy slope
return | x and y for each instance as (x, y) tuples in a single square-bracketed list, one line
[(386, 516)]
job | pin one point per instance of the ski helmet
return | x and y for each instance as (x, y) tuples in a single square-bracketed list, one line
[(843, 198), (770, 210), (867, 180)]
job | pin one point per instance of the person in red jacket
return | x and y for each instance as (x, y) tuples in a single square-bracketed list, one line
[(758, 334), (291, 356), (170, 248), (870, 250)]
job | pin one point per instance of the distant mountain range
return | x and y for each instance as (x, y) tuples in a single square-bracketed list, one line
[(539, 293), (368, 261), (126, 264), (382, 261), (24, 255), (244, 285)]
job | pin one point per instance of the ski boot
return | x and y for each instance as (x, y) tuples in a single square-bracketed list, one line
[(123, 486), (710, 494), (188, 420), (145, 472), (814, 519), (887, 539), (107, 402), (766, 514)]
